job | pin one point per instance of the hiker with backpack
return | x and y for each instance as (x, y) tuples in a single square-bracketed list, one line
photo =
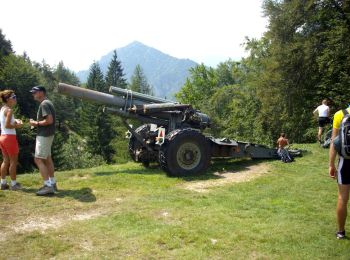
[(341, 144)]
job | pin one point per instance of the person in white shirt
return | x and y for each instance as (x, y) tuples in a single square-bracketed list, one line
[(323, 117), (8, 140)]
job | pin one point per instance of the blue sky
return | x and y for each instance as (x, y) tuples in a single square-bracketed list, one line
[(79, 32)]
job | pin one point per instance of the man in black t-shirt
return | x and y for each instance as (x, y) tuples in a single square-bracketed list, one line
[(45, 124)]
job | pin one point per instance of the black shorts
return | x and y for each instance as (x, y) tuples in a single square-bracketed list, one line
[(343, 174), (322, 121)]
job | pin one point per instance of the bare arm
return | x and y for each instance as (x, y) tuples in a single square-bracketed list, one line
[(47, 121), (8, 124), (332, 152)]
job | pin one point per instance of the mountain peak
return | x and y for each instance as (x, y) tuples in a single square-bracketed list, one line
[(135, 44), (166, 74)]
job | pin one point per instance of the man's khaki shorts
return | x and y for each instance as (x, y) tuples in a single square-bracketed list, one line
[(43, 146)]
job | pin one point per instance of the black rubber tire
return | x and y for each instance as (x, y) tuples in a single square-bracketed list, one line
[(185, 152)]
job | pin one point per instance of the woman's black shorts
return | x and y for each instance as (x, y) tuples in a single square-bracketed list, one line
[(322, 121)]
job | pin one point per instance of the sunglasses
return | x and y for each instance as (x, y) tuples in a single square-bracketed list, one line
[(13, 97)]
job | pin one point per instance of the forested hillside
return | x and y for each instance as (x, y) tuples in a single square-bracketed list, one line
[(303, 57)]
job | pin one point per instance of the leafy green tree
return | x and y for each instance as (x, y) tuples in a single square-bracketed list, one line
[(199, 87), (139, 82), (307, 61), (76, 154)]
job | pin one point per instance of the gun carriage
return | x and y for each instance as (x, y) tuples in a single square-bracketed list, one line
[(171, 134)]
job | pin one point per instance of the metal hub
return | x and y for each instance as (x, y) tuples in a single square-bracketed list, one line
[(188, 156)]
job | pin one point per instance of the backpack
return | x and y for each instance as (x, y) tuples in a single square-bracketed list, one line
[(342, 141)]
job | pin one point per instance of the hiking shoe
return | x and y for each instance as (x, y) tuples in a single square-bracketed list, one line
[(17, 186), (54, 186), (5, 186), (45, 190), (340, 234)]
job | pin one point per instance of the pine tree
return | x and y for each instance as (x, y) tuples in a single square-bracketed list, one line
[(115, 74), (95, 80), (115, 77), (96, 125), (139, 82), (66, 106)]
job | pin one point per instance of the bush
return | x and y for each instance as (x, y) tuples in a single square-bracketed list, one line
[(75, 154)]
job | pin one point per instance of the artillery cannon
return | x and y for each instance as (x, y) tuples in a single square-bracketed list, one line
[(171, 133)]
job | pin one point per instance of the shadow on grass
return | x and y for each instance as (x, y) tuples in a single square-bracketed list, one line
[(82, 195), (225, 165), (153, 169), (218, 165)]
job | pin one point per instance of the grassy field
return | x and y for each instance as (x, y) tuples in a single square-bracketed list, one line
[(287, 211)]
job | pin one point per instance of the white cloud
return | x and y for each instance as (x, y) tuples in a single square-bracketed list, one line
[(79, 32)]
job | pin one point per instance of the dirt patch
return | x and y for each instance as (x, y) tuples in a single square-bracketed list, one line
[(41, 223), (225, 178)]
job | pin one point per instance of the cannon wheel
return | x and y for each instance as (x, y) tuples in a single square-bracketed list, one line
[(184, 152), (135, 144)]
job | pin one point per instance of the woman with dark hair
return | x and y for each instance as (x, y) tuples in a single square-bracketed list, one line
[(8, 140)]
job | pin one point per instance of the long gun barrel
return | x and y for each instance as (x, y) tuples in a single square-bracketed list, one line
[(92, 95), (136, 95), (140, 106)]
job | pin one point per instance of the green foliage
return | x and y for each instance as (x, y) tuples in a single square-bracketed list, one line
[(66, 108), (306, 62), (96, 80), (115, 75), (86, 119), (199, 87), (19, 75), (139, 82), (5, 46), (301, 59), (96, 126), (26, 142), (76, 154)]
